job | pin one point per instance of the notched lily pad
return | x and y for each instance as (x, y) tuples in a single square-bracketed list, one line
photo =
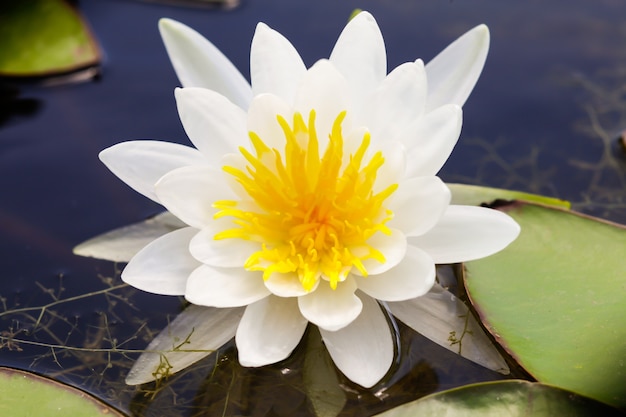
[(506, 398), (23, 394), (44, 38), (556, 300)]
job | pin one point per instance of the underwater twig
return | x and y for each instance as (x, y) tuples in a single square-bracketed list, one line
[(46, 307), (8, 339), (459, 341)]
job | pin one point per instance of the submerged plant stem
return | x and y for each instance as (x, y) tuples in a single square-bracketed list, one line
[(44, 308)]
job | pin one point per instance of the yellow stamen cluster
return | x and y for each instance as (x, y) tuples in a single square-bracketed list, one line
[(313, 216)]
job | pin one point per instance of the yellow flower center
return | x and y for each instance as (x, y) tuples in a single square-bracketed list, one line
[(313, 216)]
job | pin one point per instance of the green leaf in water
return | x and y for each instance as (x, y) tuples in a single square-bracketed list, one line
[(42, 38), (476, 195), (556, 300), (23, 394), (505, 398)]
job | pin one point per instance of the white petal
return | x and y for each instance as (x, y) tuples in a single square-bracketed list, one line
[(262, 119), (465, 233), (275, 65), (120, 245), (331, 309), (430, 140), (224, 287), (399, 100), (364, 349), (360, 55), (393, 248), (412, 277), (269, 331), (189, 193), (163, 266), (225, 253), (324, 90), (418, 204), (214, 124), (438, 315), (198, 63), (453, 73), (287, 285), (140, 163), (202, 329)]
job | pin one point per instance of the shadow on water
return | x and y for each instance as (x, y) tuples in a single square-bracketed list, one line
[(13, 107)]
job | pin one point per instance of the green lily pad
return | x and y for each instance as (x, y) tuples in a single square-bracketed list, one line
[(504, 398), (23, 394), (476, 195), (555, 299), (42, 38)]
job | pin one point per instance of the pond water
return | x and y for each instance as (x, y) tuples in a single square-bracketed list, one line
[(545, 117)]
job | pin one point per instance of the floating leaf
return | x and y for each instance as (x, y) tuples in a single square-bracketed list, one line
[(476, 195), (42, 38), (505, 398), (556, 300), (24, 394)]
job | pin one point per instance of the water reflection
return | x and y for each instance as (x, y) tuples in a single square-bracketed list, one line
[(220, 386), (13, 107), (95, 349)]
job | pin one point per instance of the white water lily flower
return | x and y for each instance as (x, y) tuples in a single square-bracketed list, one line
[(310, 196)]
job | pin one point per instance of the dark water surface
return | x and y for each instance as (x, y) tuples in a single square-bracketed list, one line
[(544, 117)]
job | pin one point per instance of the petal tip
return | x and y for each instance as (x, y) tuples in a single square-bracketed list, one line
[(170, 27), (166, 22), (262, 27), (103, 155), (178, 92), (482, 29), (134, 378), (483, 37), (108, 155)]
